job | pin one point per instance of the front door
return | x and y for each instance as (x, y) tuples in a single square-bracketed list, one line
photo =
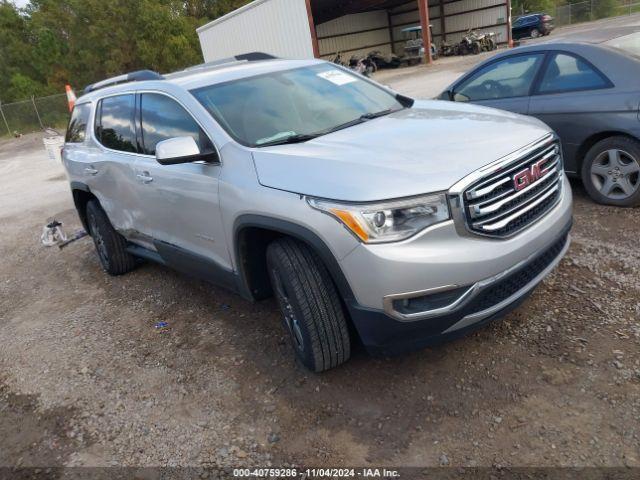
[(181, 210), (505, 83)]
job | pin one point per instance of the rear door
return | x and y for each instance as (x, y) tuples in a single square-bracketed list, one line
[(505, 83), (573, 97), (109, 163), (518, 28), (181, 209)]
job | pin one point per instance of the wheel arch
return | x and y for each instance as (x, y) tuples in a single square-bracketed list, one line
[(590, 141), (252, 234), (81, 196)]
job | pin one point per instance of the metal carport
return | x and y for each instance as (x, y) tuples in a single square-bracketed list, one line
[(321, 28)]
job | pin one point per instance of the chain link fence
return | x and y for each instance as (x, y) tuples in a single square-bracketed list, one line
[(34, 115), (590, 10)]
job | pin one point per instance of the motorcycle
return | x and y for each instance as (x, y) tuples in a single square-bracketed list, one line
[(382, 60), (470, 44), (363, 65)]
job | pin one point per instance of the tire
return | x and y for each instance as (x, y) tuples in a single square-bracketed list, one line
[(611, 172), (110, 245), (310, 305), (535, 33)]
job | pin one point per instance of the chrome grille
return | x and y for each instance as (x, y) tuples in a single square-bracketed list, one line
[(493, 205)]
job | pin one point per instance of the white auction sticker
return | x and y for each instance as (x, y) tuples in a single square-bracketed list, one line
[(337, 77)]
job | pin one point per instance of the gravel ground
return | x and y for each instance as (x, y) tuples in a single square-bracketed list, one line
[(87, 379)]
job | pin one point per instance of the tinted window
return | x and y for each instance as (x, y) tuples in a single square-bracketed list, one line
[(114, 123), (164, 118), (303, 101), (511, 77), (566, 73), (77, 129)]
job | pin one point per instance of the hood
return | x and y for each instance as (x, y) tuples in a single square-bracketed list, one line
[(426, 148)]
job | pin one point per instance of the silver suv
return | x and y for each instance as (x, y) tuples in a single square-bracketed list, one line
[(367, 214)]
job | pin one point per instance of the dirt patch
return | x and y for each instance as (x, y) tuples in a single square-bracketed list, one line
[(35, 437)]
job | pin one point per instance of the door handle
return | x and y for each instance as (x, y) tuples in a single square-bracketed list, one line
[(90, 171), (145, 177)]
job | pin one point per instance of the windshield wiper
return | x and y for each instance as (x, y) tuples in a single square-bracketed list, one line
[(381, 113), (295, 138), (303, 137)]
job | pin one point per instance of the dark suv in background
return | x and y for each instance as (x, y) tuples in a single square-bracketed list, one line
[(533, 25)]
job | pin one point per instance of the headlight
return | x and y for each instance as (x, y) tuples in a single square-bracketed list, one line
[(387, 221)]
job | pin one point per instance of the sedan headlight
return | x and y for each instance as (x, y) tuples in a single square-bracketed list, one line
[(387, 221)]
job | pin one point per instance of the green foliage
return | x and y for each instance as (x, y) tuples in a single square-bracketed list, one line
[(53, 42), (520, 7)]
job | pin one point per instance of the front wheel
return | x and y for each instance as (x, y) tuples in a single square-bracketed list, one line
[(611, 172), (310, 305)]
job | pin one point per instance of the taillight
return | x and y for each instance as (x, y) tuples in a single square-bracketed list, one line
[(546, 18)]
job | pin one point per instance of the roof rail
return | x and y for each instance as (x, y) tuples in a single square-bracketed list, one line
[(254, 56), (137, 76), (245, 57)]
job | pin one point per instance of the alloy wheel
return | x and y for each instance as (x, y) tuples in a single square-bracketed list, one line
[(615, 174), (290, 319), (98, 240)]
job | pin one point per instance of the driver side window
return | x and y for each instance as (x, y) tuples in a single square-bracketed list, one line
[(511, 77)]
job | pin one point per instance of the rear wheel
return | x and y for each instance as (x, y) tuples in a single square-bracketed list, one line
[(310, 304), (535, 33), (110, 245), (611, 172)]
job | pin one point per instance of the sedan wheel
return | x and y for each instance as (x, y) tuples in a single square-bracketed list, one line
[(535, 33), (611, 171)]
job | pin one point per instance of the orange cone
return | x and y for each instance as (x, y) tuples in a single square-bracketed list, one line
[(71, 96)]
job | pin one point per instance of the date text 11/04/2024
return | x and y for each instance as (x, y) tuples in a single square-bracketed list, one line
[(316, 473)]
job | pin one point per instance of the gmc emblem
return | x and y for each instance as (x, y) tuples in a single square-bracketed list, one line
[(530, 175)]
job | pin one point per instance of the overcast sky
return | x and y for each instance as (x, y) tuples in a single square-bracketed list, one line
[(20, 3)]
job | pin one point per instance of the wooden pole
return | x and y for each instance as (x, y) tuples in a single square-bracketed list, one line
[(443, 28), (5, 119), (312, 29), (423, 6), (509, 33)]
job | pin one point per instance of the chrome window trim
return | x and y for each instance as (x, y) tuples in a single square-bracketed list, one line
[(144, 155)]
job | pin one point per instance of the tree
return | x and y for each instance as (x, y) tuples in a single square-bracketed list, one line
[(53, 42)]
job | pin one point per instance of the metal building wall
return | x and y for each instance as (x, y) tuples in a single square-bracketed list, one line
[(278, 27), (354, 34), (482, 15)]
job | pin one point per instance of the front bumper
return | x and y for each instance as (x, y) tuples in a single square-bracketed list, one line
[(486, 277), (383, 335)]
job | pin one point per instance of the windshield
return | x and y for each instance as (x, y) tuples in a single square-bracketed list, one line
[(629, 44), (293, 105)]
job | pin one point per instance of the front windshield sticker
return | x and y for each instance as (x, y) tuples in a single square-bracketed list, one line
[(337, 77)]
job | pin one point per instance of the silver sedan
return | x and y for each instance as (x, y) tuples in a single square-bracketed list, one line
[(589, 93)]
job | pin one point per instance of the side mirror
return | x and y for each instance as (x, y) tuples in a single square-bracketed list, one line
[(180, 150), (446, 95)]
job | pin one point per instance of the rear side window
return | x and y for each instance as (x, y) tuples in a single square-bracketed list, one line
[(114, 123), (163, 118), (77, 129), (566, 73)]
